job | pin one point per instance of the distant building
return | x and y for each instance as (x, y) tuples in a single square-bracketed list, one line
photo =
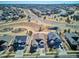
[(64, 13)]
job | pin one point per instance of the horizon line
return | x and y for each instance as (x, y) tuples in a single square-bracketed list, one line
[(39, 2)]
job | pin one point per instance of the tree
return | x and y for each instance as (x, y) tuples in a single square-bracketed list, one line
[(68, 20), (22, 15), (28, 17), (76, 31), (30, 33), (60, 18), (65, 30), (56, 19), (40, 29), (50, 49), (59, 33), (54, 16), (44, 17), (68, 30), (71, 17)]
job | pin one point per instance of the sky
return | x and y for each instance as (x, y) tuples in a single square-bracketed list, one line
[(39, 2)]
